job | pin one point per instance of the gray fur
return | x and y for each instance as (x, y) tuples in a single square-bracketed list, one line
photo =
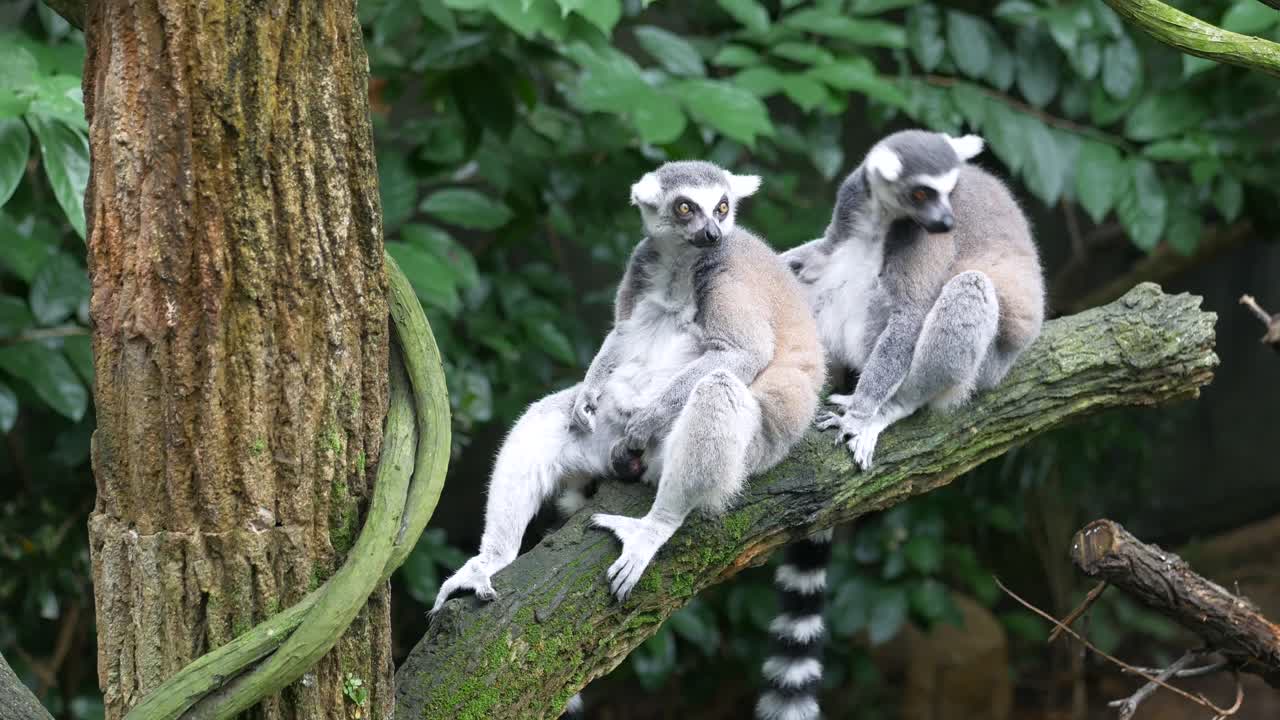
[(710, 373), (925, 317)]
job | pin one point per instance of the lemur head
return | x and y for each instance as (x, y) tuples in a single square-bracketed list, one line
[(690, 201), (912, 174)]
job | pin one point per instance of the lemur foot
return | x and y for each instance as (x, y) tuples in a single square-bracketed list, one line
[(860, 436), (842, 401), (641, 538), (473, 576)]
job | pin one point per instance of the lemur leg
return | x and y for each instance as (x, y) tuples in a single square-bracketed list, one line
[(953, 345), (704, 466), (539, 455)]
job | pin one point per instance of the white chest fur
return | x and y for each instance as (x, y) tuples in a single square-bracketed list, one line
[(841, 299)]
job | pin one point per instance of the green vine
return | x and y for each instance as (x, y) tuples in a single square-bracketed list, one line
[(262, 661)]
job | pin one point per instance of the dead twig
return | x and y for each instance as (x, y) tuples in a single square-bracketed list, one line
[(1197, 699), (1074, 615), (1271, 322), (1128, 706)]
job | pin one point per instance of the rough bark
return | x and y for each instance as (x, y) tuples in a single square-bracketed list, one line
[(1191, 35), (16, 701), (554, 626), (1164, 582), (240, 334)]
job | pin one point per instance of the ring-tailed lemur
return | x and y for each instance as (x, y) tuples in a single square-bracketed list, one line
[(927, 283), (711, 373)]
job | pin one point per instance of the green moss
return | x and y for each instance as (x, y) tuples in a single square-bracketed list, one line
[(360, 463), (258, 446), (344, 517)]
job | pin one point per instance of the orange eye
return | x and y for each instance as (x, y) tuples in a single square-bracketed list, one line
[(724, 208), (919, 195), (683, 208)]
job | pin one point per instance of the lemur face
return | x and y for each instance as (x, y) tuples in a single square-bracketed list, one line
[(913, 172), (691, 202)]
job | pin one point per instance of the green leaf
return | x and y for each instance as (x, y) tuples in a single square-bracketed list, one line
[(888, 613), (610, 81), (807, 53), (759, 81), (876, 7), (924, 553), (528, 18), (59, 97), (66, 163), (1039, 67), (467, 209), (654, 660), (20, 66), (604, 14), (1045, 170), (1004, 132), (439, 15), (924, 36), (79, 350), (733, 111), (15, 149), (440, 243), (14, 316), (1249, 17), (432, 280), (545, 335), (1106, 18), (972, 103), (968, 39), (832, 23), (1121, 68), (1143, 206), (1228, 197), (1000, 73), (1087, 58), (749, 13), (58, 288), (859, 75), (1192, 65), (49, 375), (8, 408), (696, 623), (398, 188), (736, 56), (1185, 226), (1165, 114), (930, 599), (659, 120), (671, 51), (1101, 175), (805, 91)]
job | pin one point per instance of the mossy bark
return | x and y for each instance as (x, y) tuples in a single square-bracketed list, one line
[(240, 334), (16, 701), (554, 626), (1194, 36)]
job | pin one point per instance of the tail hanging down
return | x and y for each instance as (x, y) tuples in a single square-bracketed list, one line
[(793, 670)]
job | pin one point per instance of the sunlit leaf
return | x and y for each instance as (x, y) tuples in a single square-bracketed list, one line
[(736, 56), (467, 209), (65, 156), (804, 91), (759, 81), (727, 108), (671, 51), (832, 23), (432, 280), (807, 53), (858, 75), (15, 149), (604, 14)]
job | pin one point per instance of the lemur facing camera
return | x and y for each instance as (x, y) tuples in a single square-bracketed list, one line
[(710, 374), (927, 282)]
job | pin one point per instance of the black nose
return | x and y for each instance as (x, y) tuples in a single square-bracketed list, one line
[(709, 235), (942, 224)]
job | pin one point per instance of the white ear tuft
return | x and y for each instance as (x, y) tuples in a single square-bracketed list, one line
[(885, 163), (966, 147), (647, 190), (743, 185)]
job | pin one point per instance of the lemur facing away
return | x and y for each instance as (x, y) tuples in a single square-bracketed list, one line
[(927, 282), (711, 373)]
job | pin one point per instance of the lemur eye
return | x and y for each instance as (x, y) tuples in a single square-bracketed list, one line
[(683, 208), (919, 195), (723, 209)]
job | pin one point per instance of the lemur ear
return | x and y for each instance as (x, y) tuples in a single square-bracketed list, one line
[(743, 185), (647, 190), (885, 163), (966, 147)]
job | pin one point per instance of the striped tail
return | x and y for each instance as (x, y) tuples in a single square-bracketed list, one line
[(574, 710), (793, 670)]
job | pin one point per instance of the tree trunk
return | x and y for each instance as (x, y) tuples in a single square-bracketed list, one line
[(239, 333), (554, 627)]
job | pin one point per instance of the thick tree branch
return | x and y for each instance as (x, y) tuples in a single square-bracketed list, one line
[(554, 626), (1229, 623), (1196, 37), (16, 701)]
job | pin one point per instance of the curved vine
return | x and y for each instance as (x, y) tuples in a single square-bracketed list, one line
[(411, 472)]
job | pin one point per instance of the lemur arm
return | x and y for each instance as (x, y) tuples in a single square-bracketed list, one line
[(888, 364)]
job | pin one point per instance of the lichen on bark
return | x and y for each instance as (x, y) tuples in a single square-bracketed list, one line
[(240, 333)]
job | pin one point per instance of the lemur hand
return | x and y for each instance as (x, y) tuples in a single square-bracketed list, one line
[(582, 418), (473, 576), (643, 428), (626, 463)]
